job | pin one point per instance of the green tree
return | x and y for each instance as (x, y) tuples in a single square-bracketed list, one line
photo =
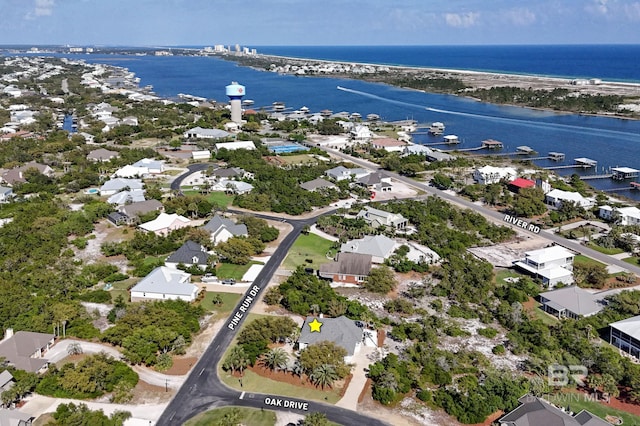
[(324, 375), (276, 359), (315, 419), (381, 280), (236, 360), (529, 202)]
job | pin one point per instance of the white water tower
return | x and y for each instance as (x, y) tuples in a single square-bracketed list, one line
[(235, 92)]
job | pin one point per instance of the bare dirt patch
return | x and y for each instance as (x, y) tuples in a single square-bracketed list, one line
[(181, 365), (144, 393)]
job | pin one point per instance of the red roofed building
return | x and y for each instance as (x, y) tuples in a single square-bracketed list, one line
[(519, 183)]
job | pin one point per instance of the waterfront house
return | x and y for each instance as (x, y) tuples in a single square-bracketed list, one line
[(189, 254), (520, 183), (377, 218), (388, 144), (556, 197), (221, 229), (535, 411), (25, 350), (551, 264), (570, 302), (348, 268), (360, 133), (621, 215), (165, 284), (342, 331), (380, 247), (165, 223), (488, 174)]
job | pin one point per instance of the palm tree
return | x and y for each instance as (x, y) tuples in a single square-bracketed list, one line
[(276, 359), (236, 360), (296, 369), (324, 375)]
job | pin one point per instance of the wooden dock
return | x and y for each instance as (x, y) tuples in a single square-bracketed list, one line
[(590, 177), (572, 166)]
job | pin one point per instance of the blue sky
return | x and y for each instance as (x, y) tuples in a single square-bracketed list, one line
[(318, 22)]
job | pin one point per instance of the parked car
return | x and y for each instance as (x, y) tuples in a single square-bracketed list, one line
[(209, 278), (229, 281)]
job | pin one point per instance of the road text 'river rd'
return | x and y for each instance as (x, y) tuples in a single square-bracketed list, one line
[(522, 224), (244, 307)]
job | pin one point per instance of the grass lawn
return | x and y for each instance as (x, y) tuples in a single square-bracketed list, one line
[(229, 301), (252, 382), (309, 246), (578, 402), (229, 270), (586, 260), (246, 416), (297, 159), (605, 250), (633, 260), (217, 197), (544, 317), (121, 288), (506, 273)]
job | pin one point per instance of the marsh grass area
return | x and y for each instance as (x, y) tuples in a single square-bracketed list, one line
[(310, 251)]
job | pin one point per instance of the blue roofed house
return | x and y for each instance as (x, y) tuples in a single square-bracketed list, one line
[(165, 283), (189, 254)]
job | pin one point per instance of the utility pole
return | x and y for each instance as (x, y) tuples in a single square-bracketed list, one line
[(166, 385)]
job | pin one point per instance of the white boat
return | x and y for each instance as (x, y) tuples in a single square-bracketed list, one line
[(436, 128)]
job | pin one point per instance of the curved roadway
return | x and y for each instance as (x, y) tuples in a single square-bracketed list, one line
[(203, 389)]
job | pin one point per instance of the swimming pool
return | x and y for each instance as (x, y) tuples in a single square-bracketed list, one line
[(92, 191)]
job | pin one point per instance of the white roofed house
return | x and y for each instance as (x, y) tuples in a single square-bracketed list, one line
[(388, 144), (165, 284), (551, 264), (556, 197), (361, 133), (165, 223), (232, 146), (621, 215), (126, 197), (152, 166), (488, 174), (200, 133), (114, 186), (341, 173), (625, 335)]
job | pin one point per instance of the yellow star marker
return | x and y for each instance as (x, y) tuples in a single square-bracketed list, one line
[(315, 325)]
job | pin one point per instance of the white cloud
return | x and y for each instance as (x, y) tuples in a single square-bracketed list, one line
[(632, 11), (461, 20), (41, 8), (598, 7), (520, 16)]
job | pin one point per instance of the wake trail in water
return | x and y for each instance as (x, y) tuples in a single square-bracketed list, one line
[(524, 123)]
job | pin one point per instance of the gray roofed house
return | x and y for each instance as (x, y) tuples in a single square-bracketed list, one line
[(15, 418), (375, 182), (118, 218), (350, 268), (342, 331), (377, 218), (125, 197), (164, 284), (25, 349), (102, 155), (6, 380), (316, 184), (189, 254), (16, 175), (222, 229), (135, 210), (230, 172), (570, 302), (378, 246), (538, 412)]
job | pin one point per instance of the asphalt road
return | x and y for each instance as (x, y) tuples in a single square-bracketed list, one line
[(552, 238), (175, 184), (203, 389)]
